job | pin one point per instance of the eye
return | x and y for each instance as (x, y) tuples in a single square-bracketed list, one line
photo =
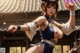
[(49, 6), (54, 7)]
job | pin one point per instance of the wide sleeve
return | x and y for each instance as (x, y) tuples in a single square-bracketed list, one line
[(30, 34), (67, 29)]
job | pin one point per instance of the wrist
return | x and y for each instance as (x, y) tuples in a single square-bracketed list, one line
[(18, 28), (72, 12)]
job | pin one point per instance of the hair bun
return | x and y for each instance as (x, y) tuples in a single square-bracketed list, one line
[(49, 0), (52, 0), (45, 1)]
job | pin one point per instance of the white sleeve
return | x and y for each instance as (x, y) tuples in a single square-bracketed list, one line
[(33, 28), (67, 29), (30, 34)]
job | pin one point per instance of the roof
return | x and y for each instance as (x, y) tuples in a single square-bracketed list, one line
[(17, 6)]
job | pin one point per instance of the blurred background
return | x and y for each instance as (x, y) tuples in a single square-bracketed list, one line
[(21, 11)]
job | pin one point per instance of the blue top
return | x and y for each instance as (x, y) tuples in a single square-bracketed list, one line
[(48, 33)]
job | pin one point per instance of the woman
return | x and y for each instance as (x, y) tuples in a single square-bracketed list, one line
[(69, 27), (48, 31)]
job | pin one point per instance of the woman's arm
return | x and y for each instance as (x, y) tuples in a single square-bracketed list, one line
[(29, 28), (57, 24), (69, 26), (71, 20), (26, 26)]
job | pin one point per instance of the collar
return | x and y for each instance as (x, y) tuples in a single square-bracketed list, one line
[(48, 18)]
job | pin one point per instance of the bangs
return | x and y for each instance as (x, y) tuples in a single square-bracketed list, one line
[(52, 3)]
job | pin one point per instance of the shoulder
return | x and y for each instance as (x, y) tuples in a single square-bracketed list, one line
[(41, 18)]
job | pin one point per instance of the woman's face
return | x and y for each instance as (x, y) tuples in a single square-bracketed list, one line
[(51, 10)]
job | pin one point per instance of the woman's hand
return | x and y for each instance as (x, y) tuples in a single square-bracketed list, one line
[(69, 6), (12, 28)]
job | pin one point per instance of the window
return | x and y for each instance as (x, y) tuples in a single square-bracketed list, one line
[(61, 49), (66, 48), (23, 49), (2, 50), (17, 49), (57, 49)]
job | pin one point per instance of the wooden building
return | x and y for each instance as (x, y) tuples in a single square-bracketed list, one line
[(19, 12)]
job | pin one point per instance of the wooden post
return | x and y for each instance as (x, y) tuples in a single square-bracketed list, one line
[(27, 44), (0, 40)]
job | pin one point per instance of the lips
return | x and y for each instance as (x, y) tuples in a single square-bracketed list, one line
[(51, 12)]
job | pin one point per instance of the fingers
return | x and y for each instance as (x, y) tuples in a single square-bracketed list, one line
[(69, 6), (12, 28)]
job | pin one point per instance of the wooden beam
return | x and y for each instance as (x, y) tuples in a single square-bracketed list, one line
[(14, 38)]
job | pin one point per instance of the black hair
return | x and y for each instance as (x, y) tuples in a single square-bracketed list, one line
[(52, 3), (47, 3), (49, 0)]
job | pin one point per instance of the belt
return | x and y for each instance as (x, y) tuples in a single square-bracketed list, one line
[(47, 41)]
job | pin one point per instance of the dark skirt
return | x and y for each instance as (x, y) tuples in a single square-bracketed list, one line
[(48, 48)]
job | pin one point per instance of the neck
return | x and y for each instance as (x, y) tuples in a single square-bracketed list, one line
[(47, 17)]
